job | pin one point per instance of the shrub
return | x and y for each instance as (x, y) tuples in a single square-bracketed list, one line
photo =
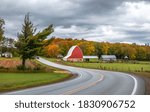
[(21, 67)]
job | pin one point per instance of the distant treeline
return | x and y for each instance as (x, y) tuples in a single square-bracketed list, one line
[(59, 46)]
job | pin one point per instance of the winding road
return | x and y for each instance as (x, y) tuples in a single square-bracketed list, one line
[(88, 82)]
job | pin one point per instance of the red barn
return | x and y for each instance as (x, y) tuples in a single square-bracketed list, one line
[(74, 54)]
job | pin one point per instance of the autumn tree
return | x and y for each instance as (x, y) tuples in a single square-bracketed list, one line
[(141, 53), (52, 50), (29, 44), (148, 52), (98, 49), (64, 46), (105, 48), (87, 47)]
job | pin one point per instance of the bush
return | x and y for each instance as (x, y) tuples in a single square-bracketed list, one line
[(21, 67), (38, 68), (1, 67)]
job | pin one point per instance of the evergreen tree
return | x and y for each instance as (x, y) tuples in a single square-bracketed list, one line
[(29, 44), (2, 23)]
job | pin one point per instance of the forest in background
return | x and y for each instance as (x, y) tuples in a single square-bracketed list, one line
[(60, 46)]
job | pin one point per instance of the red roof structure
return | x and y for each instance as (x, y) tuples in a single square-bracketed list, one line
[(74, 54)]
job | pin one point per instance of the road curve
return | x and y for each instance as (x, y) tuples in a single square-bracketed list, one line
[(88, 82)]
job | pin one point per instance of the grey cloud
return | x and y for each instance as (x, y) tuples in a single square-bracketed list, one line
[(85, 14)]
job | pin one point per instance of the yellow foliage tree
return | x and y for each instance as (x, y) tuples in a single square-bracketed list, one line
[(52, 50), (87, 47)]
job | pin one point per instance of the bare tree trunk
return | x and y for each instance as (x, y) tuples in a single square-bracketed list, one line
[(23, 62)]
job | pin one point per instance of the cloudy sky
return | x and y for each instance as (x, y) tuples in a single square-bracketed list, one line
[(97, 20)]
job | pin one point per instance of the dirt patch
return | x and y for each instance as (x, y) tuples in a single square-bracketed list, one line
[(14, 63), (147, 81), (146, 77), (62, 72)]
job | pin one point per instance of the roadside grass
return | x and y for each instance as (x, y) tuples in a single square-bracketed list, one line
[(143, 74), (14, 58), (15, 81), (37, 74), (45, 66)]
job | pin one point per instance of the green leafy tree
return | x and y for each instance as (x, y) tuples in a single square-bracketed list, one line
[(2, 23), (29, 44)]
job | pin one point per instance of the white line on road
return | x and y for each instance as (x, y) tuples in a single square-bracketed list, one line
[(135, 85)]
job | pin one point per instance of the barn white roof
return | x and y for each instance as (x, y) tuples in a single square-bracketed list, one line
[(69, 52)]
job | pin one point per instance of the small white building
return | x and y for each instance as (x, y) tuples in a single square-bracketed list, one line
[(6, 55), (108, 58), (59, 56), (87, 58)]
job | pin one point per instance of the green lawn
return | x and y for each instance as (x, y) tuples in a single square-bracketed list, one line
[(139, 66), (14, 81), (14, 58), (115, 66)]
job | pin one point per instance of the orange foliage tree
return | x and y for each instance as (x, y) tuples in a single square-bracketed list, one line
[(87, 47), (52, 50)]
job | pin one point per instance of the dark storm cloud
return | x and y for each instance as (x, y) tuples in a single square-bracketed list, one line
[(77, 18)]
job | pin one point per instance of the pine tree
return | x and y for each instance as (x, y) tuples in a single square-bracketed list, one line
[(2, 23), (29, 44)]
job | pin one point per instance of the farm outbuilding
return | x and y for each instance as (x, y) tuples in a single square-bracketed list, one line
[(108, 58), (7, 55), (74, 54), (87, 58)]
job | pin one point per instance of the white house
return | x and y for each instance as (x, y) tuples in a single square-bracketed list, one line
[(6, 55)]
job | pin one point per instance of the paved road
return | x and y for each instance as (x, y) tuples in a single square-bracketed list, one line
[(89, 82)]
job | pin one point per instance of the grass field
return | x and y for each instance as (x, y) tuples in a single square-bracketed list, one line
[(14, 81), (139, 66), (39, 74)]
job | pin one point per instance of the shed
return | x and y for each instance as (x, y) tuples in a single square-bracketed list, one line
[(7, 55), (108, 58), (59, 56), (126, 58), (87, 58)]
